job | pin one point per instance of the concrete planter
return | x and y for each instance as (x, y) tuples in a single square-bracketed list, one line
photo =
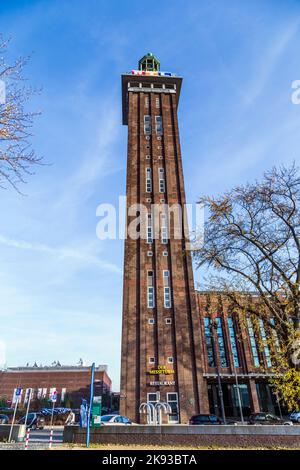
[(18, 433), (172, 435)]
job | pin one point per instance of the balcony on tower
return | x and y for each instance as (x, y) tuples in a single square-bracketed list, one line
[(148, 78)]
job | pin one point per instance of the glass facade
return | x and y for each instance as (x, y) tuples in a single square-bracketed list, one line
[(265, 343), (208, 342), (253, 343), (221, 342), (233, 343)]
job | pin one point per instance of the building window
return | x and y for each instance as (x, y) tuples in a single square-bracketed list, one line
[(172, 399), (149, 229), (146, 101), (153, 397), (160, 157), (165, 253), (167, 289), (148, 157), (150, 290), (208, 342), (158, 125), (253, 343), (151, 321), (168, 321), (221, 342), (151, 360), (148, 180), (170, 360), (233, 343), (149, 253), (157, 105), (164, 229), (275, 335), (147, 125), (265, 343), (161, 180)]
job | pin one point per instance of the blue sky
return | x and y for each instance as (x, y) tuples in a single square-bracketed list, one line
[(61, 287)]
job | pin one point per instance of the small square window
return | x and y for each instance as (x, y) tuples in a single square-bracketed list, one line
[(165, 253), (168, 321), (162, 201), (147, 137), (151, 360), (149, 253), (170, 360), (151, 321), (149, 199), (158, 137), (160, 157), (147, 146), (148, 157)]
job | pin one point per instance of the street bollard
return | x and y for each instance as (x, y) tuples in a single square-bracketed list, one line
[(27, 438), (51, 438)]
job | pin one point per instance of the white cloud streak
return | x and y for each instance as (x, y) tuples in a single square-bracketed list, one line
[(61, 252)]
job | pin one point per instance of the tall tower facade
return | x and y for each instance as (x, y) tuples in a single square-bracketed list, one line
[(161, 351)]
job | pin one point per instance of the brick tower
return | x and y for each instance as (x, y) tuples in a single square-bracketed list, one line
[(161, 353)]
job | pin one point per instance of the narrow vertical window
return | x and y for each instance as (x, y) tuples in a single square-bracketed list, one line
[(157, 103), (150, 290), (146, 101), (148, 180), (265, 343), (167, 289), (158, 125), (149, 229), (161, 180), (275, 335), (164, 229), (233, 343), (208, 342), (221, 342), (253, 343), (147, 125)]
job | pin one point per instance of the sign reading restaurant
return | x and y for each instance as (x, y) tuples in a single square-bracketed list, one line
[(162, 383)]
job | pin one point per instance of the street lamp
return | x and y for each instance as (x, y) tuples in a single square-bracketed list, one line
[(213, 330), (238, 392)]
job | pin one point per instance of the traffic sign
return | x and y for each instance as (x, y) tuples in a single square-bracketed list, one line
[(53, 396)]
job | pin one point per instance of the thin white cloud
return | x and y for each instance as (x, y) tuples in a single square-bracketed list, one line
[(61, 252), (268, 60)]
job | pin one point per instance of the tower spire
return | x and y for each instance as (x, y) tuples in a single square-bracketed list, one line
[(149, 63)]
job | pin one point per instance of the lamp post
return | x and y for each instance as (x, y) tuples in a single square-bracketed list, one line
[(213, 330), (238, 393)]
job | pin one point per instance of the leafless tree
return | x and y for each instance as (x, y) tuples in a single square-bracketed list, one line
[(252, 248), (17, 158)]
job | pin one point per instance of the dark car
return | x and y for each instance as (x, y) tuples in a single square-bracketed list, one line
[(267, 418), (34, 421), (205, 419), (4, 419)]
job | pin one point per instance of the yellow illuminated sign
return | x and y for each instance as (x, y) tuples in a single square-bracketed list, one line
[(161, 370)]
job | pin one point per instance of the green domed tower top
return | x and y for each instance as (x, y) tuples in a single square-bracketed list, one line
[(149, 62)]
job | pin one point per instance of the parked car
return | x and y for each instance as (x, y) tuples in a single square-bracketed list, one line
[(115, 419), (295, 416), (4, 419), (34, 421), (267, 418), (205, 419)]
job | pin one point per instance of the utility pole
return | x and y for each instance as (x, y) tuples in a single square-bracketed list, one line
[(91, 404), (238, 393), (213, 330)]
